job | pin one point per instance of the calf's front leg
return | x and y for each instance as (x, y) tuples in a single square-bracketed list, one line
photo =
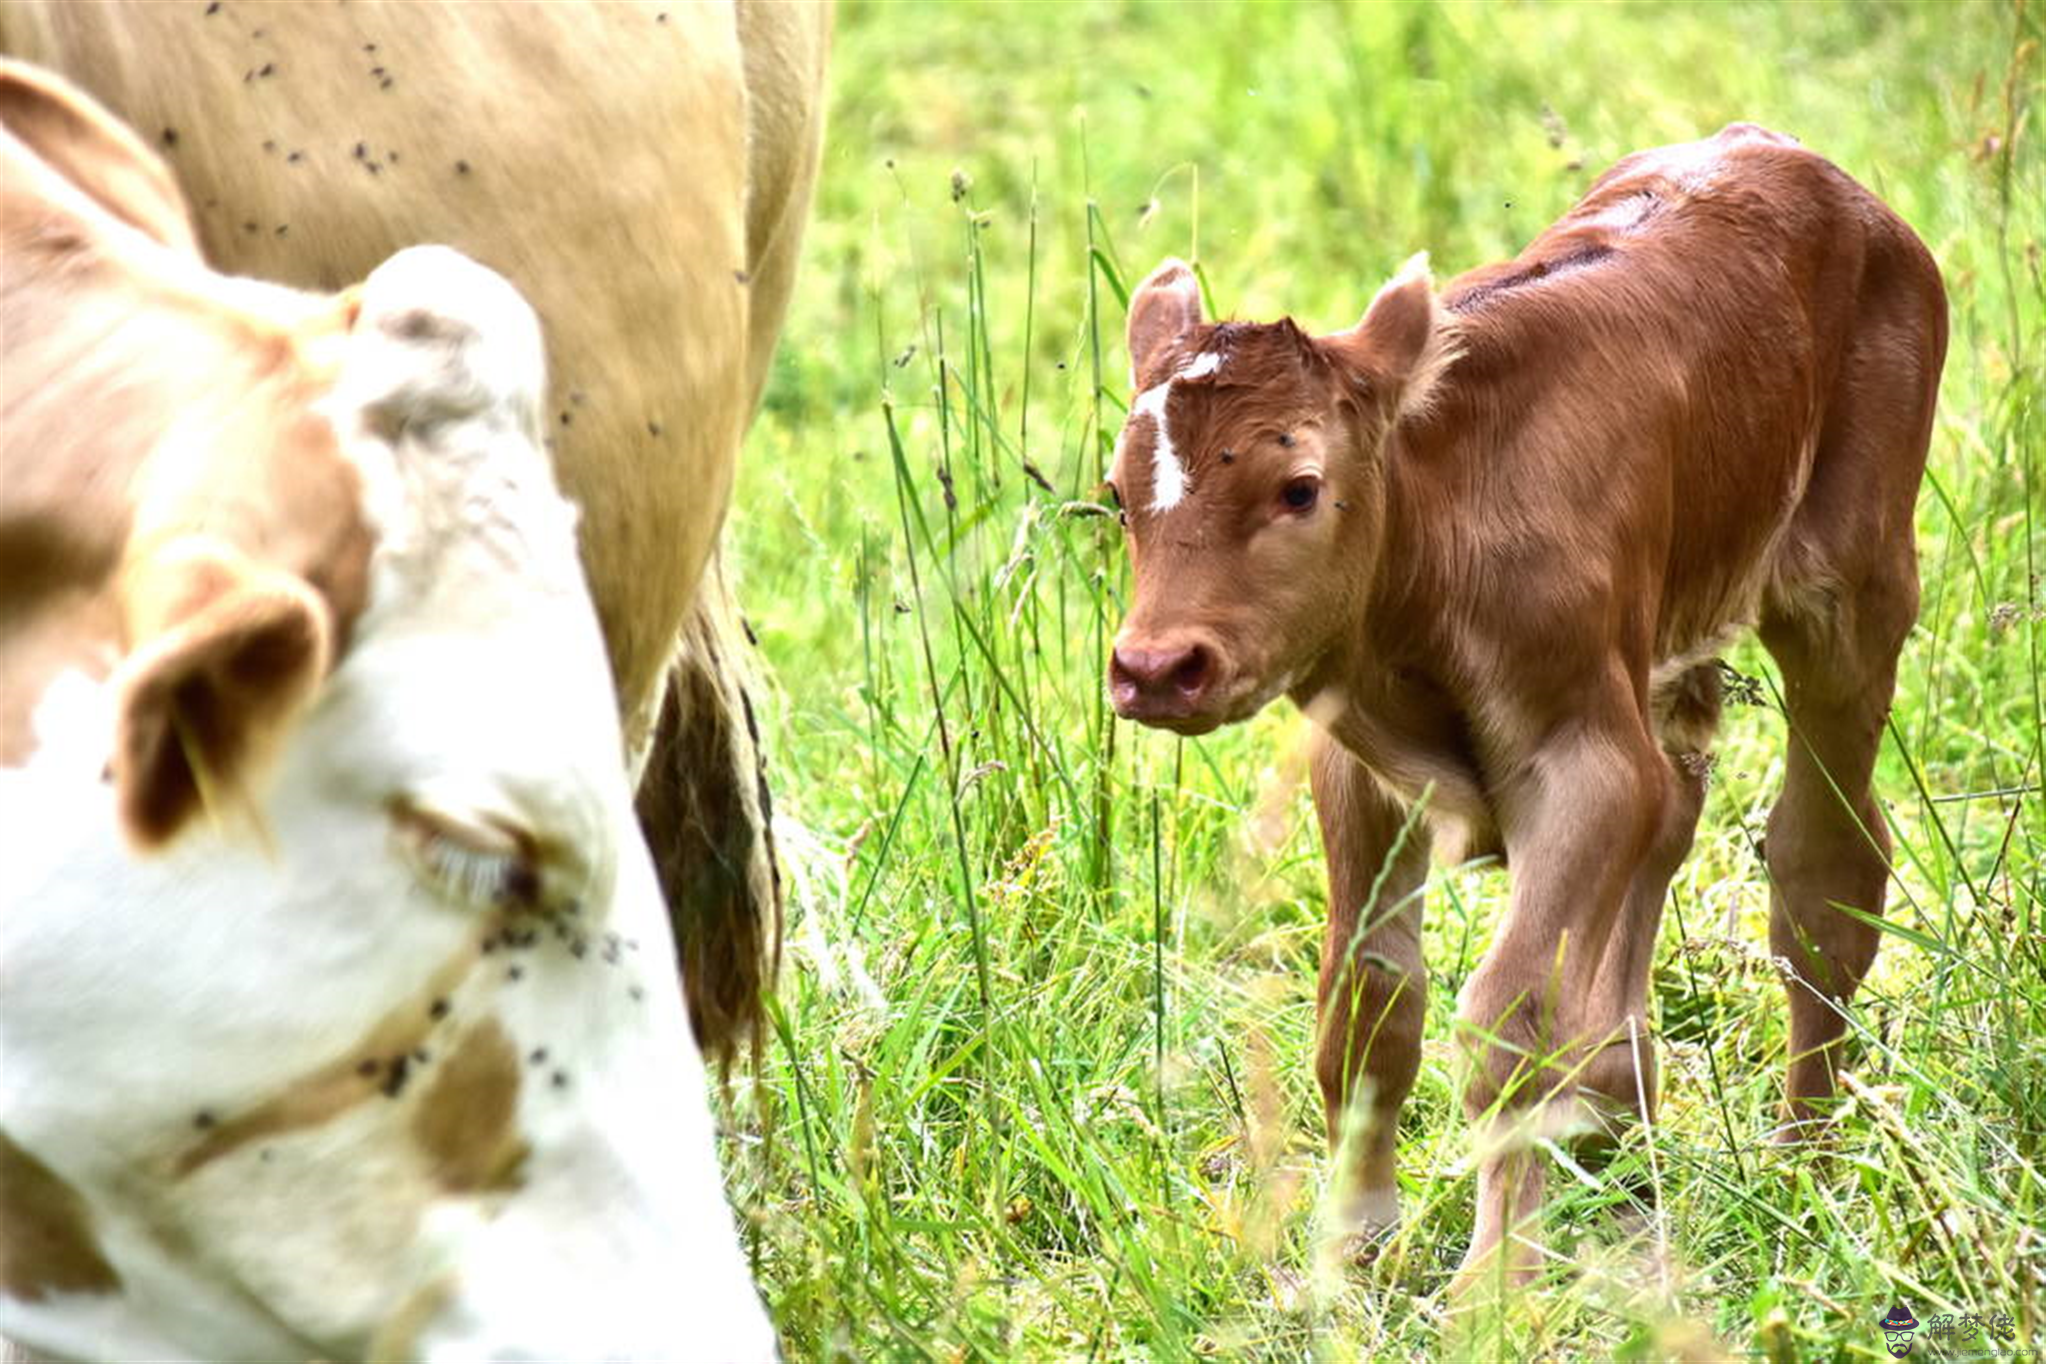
[(1578, 820), (1372, 1002)]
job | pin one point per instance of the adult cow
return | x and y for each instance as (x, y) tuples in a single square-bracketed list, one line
[(335, 1001), (1491, 543), (641, 171)]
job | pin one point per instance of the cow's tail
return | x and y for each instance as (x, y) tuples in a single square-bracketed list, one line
[(708, 818)]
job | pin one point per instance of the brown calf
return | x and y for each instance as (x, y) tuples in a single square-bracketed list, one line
[(1491, 541)]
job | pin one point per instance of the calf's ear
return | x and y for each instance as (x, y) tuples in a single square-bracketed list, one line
[(223, 654), (1164, 308), (1404, 343)]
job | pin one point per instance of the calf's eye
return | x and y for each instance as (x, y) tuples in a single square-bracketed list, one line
[(1122, 516), (1300, 494)]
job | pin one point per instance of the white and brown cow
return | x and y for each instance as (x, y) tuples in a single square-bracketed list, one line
[(642, 173), (337, 1014), (1491, 542)]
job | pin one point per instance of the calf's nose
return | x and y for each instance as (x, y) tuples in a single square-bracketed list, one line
[(1169, 680)]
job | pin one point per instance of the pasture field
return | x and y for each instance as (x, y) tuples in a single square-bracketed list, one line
[(1040, 1085)]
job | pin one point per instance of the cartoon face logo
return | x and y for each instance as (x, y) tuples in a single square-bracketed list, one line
[(1897, 1329)]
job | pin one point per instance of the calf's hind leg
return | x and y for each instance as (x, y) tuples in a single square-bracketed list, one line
[(1827, 843), (1844, 599), (1373, 999)]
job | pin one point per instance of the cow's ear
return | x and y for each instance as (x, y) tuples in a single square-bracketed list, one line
[(222, 655), (96, 154), (1405, 342), (1164, 308)]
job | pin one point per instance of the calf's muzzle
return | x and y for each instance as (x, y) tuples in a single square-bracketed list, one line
[(1162, 681)]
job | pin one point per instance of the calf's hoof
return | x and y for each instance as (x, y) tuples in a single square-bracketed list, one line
[(1490, 1275), (1360, 1227)]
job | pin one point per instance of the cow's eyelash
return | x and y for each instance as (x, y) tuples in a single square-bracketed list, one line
[(450, 859), (472, 875)]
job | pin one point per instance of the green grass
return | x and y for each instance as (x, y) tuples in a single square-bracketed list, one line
[(1040, 1087)]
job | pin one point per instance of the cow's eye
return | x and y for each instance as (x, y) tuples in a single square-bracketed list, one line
[(1300, 494), (478, 862)]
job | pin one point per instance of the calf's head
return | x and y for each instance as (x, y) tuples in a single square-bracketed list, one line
[(1250, 476)]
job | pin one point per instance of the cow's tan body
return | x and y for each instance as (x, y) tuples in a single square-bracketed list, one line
[(641, 172), (1491, 542)]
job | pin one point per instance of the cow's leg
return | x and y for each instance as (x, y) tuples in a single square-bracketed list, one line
[(704, 807), (1374, 987), (1827, 843), (1619, 1077), (1578, 822)]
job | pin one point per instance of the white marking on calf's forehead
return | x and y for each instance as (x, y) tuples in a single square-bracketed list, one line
[(1168, 475), (1169, 482)]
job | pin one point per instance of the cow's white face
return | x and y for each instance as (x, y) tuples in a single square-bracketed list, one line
[(385, 1053)]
